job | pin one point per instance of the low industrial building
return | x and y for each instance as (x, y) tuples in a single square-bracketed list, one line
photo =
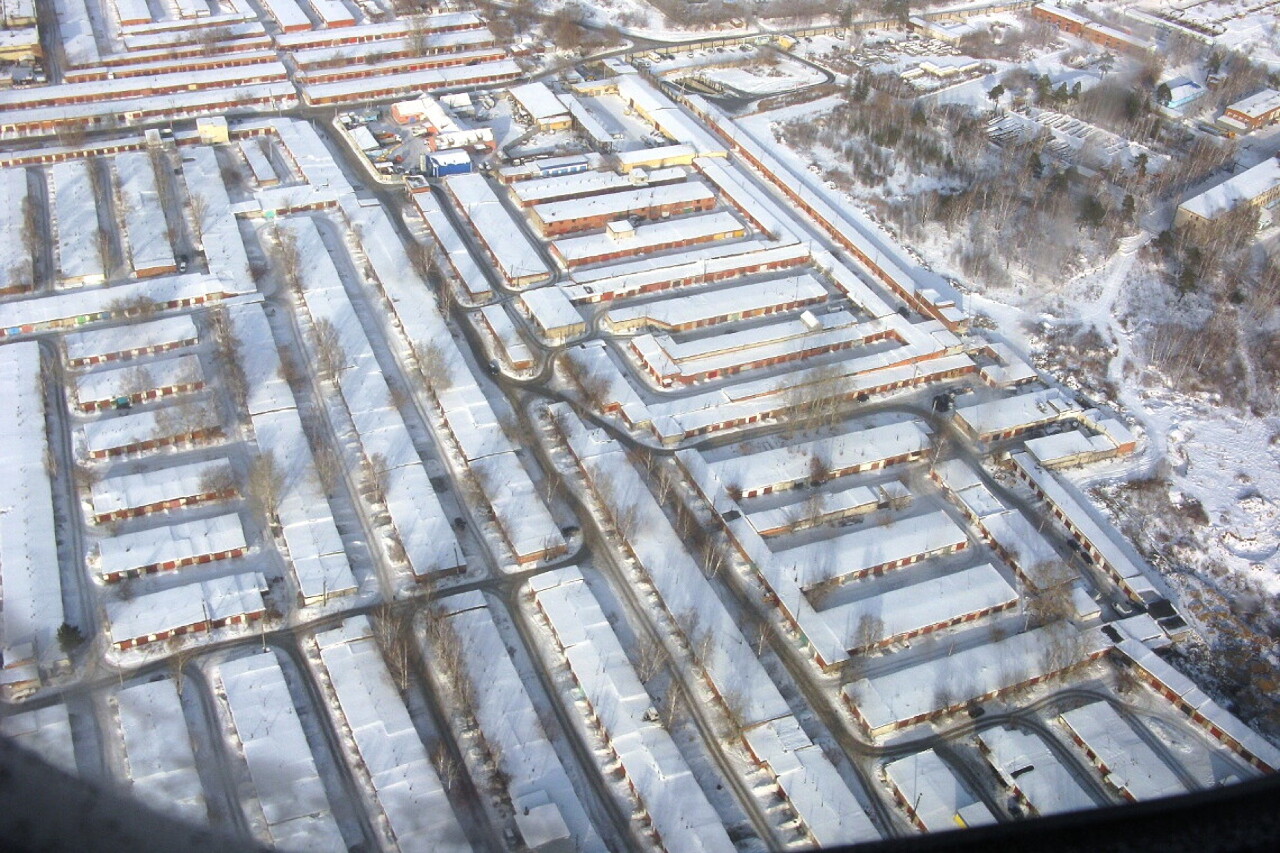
[(1257, 110), (539, 107), (1258, 187), (1100, 34)]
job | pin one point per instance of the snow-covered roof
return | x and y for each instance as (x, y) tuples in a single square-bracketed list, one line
[(176, 542), (522, 516), (115, 433), (936, 795), (220, 234), (102, 386), (1213, 714), (29, 569), (101, 343), (259, 359), (811, 784), (819, 505), (710, 260), (507, 717), (303, 146), (587, 120), (263, 172), (917, 690), (1023, 759), (716, 306), (247, 96), (539, 102), (147, 231), (459, 257), (15, 260), (112, 93), (144, 488), (935, 601), (861, 550), (623, 202), (46, 732), (190, 604), (550, 310), (333, 13), (157, 745), (1082, 519), (1134, 766), (786, 466), (1239, 189), (404, 780), (1065, 447), (369, 32), (275, 749), (538, 190), (316, 553), (630, 160), (990, 417), (94, 303), (287, 13), (653, 236), (76, 218), (357, 88), (748, 198), (1020, 539), (780, 339), (1012, 368), (513, 347), (650, 759), (1258, 104), (450, 157), (515, 255)]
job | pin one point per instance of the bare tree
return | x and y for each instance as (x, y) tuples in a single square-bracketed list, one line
[(330, 356), (178, 664), (285, 253), (393, 631), (104, 251), (417, 41), (700, 639), (651, 658), (448, 767), (199, 209), (266, 485), (1048, 605), (86, 476), (217, 480), (715, 555), (229, 355), (435, 365), (869, 631), (31, 239), (374, 478), (737, 710), (673, 709), (328, 469)]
